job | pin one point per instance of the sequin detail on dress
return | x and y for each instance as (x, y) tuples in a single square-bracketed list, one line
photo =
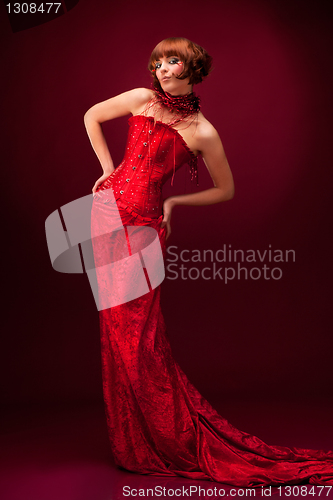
[(154, 152)]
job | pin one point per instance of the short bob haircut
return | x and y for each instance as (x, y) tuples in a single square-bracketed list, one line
[(197, 62)]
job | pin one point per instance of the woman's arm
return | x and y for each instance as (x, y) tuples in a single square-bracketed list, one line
[(121, 105), (210, 146)]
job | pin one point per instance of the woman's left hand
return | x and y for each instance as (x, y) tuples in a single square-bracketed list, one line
[(167, 209)]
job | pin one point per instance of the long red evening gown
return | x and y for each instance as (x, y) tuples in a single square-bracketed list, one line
[(158, 422)]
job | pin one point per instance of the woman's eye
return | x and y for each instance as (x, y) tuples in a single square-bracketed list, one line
[(173, 60)]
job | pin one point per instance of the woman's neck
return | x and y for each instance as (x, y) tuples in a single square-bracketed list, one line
[(188, 92)]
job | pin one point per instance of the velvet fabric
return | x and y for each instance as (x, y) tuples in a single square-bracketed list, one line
[(158, 423)]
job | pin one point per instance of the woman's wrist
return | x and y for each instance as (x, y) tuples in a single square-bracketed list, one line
[(170, 202), (108, 171)]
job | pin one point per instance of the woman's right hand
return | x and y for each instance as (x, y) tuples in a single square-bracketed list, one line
[(99, 182), (168, 205)]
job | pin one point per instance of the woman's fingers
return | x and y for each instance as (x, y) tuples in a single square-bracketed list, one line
[(99, 182), (168, 228), (95, 186), (166, 223), (165, 220)]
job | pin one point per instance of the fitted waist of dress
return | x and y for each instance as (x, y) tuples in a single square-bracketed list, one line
[(139, 200)]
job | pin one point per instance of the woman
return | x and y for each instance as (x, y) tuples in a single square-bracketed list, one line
[(158, 422)]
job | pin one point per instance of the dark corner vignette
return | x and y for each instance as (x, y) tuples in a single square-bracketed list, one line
[(26, 15)]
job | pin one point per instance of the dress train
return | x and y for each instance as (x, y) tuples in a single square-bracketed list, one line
[(159, 424)]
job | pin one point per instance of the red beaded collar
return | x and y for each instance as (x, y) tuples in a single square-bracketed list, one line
[(184, 105)]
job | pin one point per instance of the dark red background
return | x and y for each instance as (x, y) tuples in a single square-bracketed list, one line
[(269, 97)]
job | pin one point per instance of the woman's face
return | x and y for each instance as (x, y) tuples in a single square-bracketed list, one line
[(167, 69)]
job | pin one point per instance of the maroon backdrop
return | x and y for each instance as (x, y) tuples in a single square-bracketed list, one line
[(269, 97)]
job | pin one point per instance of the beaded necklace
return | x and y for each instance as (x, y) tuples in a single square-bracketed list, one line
[(183, 105)]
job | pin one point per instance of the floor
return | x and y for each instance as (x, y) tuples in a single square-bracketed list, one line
[(61, 453)]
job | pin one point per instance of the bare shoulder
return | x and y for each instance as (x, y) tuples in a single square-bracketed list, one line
[(205, 130), (141, 94), (206, 135), (139, 98), (132, 101)]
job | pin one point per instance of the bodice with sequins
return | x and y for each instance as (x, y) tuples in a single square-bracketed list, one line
[(154, 152)]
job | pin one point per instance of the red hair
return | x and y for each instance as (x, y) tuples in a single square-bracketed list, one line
[(197, 62)]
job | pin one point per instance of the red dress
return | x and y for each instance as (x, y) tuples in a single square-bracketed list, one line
[(158, 423)]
